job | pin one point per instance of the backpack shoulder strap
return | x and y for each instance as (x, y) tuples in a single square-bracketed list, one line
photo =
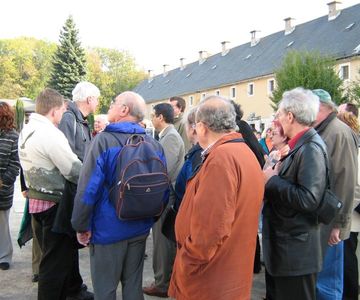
[(122, 142), (239, 140), (75, 119)]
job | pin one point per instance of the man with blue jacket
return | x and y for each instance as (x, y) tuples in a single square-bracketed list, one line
[(117, 247)]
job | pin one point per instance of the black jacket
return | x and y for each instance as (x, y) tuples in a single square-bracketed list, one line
[(251, 141), (291, 233)]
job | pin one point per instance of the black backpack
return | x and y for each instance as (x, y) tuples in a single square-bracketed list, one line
[(142, 183)]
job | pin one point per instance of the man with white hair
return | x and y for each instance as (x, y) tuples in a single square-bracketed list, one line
[(73, 123), (294, 189), (76, 129), (117, 246)]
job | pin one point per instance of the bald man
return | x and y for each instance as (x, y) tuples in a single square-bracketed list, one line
[(117, 247)]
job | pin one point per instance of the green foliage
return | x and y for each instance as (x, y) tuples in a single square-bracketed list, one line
[(19, 114), (69, 63), (24, 67), (353, 91), (91, 119), (113, 72), (309, 70)]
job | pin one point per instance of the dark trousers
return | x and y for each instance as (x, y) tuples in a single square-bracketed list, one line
[(58, 258), (351, 272), (257, 262), (291, 287)]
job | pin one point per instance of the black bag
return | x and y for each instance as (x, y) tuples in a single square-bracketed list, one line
[(168, 226), (330, 205), (142, 182)]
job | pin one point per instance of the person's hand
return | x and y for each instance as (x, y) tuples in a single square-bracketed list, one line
[(334, 238), (284, 151), (84, 237), (270, 172), (25, 193)]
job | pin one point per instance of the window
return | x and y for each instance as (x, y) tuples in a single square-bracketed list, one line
[(271, 86), (233, 92), (217, 93), (203, 95), (344, 72), (250, 89), (191, 100)]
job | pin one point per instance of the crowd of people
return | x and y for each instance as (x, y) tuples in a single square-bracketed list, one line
[(222, 181)]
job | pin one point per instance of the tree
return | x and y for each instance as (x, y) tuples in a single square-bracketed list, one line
[(113, 72), (309, 70), (69, 63), (19, 114), (24, 66), (353, 91)]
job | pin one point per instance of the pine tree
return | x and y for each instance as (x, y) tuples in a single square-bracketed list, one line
[(69, 62)]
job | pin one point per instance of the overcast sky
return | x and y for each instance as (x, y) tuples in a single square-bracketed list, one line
[(157, 32)]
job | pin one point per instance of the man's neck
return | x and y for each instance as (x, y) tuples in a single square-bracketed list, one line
[(214, 137), (82, 106), (162, 129)]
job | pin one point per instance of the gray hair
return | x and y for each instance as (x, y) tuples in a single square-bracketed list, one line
[(190, 116), (102, 117), (302, 103), (84, 90), (217, 113), (135, 103)]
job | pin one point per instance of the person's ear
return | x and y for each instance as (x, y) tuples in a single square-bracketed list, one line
[(290, 117)]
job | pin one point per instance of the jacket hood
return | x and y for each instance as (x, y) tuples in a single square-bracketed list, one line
[(76, 111), (125, 127)]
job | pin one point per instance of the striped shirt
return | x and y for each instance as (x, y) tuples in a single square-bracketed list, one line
[(9, 166)]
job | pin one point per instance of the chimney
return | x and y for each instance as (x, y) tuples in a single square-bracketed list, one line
[(150, 76), (224, 49), (288, 27), (254, 40), (182, 65), (334, 10), (165, 70), (202, 57)]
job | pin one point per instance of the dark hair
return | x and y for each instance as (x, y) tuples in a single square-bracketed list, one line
[(180, 102), (239, 112), (47, 100), (7, 117), (166, 110), (350, 107)]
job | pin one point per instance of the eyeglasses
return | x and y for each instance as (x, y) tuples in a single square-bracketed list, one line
[(113, 103)]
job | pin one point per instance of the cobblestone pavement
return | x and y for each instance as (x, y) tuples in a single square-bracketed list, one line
[(15, 284)]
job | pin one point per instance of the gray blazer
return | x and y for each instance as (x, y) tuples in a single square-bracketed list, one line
[(174, 150)]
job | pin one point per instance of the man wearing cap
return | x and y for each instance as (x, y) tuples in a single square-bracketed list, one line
[(342, 148)]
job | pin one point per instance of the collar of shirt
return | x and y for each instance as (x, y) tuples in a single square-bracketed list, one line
[(162, 132), (206, 150), (296, 138)]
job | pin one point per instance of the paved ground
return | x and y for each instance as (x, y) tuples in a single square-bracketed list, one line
[(15, 284)]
